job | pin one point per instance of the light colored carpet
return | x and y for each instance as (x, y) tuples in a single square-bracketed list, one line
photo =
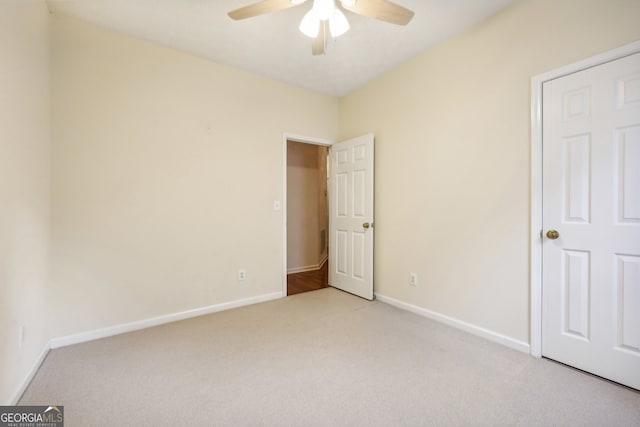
[(323, 358)]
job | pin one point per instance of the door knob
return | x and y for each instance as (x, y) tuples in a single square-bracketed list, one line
[(366, 225), (553, 234)]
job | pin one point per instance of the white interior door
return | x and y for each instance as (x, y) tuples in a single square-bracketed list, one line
[(591, 198), (351, 216)]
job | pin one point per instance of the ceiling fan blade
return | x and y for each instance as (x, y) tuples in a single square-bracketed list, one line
[(383, 10), (261, 8), (318, 45)]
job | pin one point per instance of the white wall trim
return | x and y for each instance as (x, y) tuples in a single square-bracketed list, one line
[(306, 268), (30, 375), (536, 178), (458, 324), (302, 269), (287, 136), (307, 139), (160, 320)]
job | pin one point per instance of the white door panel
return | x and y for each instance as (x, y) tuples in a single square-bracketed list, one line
[(351, 206), (591, 196)]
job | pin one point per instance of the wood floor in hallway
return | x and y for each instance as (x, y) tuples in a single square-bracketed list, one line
[(298, 283)]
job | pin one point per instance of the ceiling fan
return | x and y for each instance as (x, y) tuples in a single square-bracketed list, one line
[(325, 17)]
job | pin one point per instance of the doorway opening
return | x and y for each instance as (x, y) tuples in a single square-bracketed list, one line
[(307, 216)]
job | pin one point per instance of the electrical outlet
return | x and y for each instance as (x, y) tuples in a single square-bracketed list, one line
[(242, 275), (413, 279)]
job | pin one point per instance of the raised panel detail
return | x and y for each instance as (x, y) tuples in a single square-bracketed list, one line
[(341, 252), (576, 291), (358, 255), (628, 165), (628, 275), (342, 181), (359, 153), (577, 179), (359, 193), (342, 157), (576, 104), (629, 91)]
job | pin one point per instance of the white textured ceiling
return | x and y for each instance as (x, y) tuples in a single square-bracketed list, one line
[(272, 46)]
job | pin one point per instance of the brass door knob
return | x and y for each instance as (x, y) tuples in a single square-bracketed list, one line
[(553, 234), (366, 225)]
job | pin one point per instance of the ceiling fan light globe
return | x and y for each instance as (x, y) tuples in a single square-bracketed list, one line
[(338, 24), (348, 3), (310, 25), (324, 9)]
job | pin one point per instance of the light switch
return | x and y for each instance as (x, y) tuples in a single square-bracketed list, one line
[(276, 205)]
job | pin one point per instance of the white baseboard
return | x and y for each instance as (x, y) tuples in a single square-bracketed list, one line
[(458, 324), (130, 327), (308, 267), (30, 375), (155, 321)]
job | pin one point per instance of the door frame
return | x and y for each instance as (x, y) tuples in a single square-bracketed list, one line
[(536, 239), (304, 140)]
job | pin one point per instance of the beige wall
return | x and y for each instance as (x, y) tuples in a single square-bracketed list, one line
[(452, 156), (24, 189), (306, 205), (165, 169)]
